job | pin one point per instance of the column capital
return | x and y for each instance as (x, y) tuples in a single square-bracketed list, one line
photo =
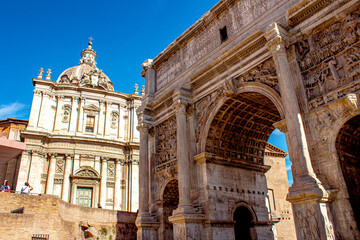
[(104, 159), (37, 92), (75, 98), (60, 97), (277, 38), (142, 127), (54, 155), (82, 99), (69, 155), (148, 64), (119, 161)]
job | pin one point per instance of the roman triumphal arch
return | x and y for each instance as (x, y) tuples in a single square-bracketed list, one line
[(214, 96)]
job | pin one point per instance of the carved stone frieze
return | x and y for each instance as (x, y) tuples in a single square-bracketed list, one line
[(329, 60), (165, 142)]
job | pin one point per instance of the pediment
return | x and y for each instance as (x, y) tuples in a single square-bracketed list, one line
[(92, 107), (272, 150)]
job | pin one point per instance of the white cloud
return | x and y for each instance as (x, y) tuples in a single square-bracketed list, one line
[(288, 167), (277, 132), (12, 110)]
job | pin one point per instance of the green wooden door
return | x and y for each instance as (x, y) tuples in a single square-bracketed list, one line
[(84, 196)]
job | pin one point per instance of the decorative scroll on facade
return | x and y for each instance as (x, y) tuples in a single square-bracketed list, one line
[(330, 61), (165, 144)]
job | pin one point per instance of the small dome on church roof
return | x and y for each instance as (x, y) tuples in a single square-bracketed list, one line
[(86, 74)]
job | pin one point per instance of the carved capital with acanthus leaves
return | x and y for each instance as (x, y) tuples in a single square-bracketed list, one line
[(277, 39)]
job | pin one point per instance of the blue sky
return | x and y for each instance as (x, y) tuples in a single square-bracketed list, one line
[(51, 34)]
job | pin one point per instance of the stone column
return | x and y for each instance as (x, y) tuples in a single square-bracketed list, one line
[(182, 154), (143, 171), (24, 169), (74, 114), (307, 195), (118, 190), (146, 224), (60, 103), (66, 181), (103, 182), (81, 114), (35, 110), (51, 174), (187, 222)]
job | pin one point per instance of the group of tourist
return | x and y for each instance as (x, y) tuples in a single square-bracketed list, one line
[(24, 190)]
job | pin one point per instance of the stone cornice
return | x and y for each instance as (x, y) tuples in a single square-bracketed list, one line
[(212, 158), (55, 86), (306, 9), (47, 137)]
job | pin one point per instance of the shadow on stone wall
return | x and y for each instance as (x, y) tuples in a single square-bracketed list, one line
[(48, 214)]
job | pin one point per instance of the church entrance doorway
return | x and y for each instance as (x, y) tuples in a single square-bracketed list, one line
[(170, 203), (348, 149), (84, 196), (243, 223)]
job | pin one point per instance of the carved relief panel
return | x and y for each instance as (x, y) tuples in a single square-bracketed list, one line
[(330, 59), (165, 144)]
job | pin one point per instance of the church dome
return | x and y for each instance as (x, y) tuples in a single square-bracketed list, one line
[(86, 74)]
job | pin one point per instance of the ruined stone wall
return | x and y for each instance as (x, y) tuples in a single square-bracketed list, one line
[(61, 220)]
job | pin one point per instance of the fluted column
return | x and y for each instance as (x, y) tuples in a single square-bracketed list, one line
[(118, 190), (66, 180), (35, 110), (81, 114), (51, 174), (103, 182), (307, 195), (74, 114), (60, 103)]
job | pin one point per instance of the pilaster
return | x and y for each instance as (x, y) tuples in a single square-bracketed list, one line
[(24, 169), (103, 182), (66, 180), (118, 190), (35, 110), (81, 114), (51, 174), (74, 114), (60, 103)]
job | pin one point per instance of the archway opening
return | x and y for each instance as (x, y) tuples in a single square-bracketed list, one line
[(348, 149), (243, 223), (170, 203), (241, 128)]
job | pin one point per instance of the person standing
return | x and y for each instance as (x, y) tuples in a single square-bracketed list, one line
[(26, 189), (5, 187)]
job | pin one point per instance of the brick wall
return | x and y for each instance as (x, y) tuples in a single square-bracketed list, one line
[(61, 220)]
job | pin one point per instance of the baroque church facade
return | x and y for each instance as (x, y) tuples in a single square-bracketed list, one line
[(81, 140)]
